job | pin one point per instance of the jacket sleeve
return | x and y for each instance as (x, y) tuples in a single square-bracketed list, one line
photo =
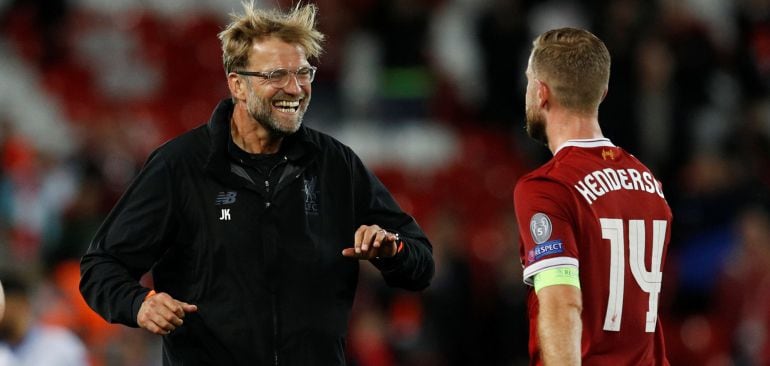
[(128, 243), (413, 267)]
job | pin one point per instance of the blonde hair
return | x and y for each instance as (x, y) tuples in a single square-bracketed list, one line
[(296, 26), (575, 64)]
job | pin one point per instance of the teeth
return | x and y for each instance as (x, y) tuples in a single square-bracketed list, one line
[(286, 103)]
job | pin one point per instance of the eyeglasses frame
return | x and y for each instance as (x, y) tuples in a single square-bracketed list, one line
[(268, 74)]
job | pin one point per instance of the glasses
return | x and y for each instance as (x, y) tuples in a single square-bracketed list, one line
[(279, 78)]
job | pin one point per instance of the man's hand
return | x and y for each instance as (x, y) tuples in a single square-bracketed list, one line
[(161, 313), (372, 241)]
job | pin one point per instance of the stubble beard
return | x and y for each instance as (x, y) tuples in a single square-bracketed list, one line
[(535, 125), (261, 109)]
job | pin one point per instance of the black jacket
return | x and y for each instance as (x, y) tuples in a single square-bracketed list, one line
[(265, 269)]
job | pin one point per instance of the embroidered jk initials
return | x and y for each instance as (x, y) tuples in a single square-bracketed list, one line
[(225, 215)]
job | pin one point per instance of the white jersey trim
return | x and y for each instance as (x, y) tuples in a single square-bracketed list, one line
[(585, 143), (531, 271)]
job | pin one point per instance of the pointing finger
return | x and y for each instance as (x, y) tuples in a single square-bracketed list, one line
[(349, 252), (187, 308)]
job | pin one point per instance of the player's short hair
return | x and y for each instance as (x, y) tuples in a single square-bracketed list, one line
[(295, 26), (575, 64)]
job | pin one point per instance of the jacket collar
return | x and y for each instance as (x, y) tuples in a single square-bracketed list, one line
[(299, 144)]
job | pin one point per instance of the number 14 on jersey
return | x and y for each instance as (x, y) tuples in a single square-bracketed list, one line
[(648, 281)]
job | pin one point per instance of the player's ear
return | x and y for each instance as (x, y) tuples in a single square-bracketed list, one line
[(543, 93), (237, 86), (604, 95)]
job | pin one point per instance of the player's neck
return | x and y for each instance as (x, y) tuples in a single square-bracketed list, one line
[(563, 126), (250, 135)]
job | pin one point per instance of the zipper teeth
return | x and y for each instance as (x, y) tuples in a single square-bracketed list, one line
[(275, 331)]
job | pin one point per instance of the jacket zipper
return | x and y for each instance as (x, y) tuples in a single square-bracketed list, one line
[(275, 331)]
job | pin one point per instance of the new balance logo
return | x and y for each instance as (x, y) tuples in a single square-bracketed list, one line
[(225, 198), (225, 215)]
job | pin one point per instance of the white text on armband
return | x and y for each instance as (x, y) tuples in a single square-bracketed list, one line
[(600, 182)]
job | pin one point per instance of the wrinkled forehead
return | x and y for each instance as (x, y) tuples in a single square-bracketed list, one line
[(272, 52)]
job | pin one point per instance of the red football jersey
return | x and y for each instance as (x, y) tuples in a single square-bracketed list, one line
[(596, 207)]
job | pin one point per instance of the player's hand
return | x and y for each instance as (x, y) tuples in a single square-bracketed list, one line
[(161, 313), (371, 242)]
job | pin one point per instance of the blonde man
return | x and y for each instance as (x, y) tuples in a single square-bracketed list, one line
[(253, 224), (594, 223)]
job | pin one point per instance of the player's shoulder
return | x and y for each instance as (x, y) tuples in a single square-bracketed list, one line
[(541, 181), (187, 146), (546, 173), (543, 172)]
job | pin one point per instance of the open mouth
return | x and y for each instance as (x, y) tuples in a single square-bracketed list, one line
[(286, 106)]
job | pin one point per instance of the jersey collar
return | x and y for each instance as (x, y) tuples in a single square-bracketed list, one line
[(585, 143)]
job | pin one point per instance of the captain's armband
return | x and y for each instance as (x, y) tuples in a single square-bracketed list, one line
[(557, 276)]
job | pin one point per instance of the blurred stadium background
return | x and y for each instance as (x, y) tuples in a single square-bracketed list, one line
[(430, 93)]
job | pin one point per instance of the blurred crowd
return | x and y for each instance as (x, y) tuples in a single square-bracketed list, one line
[(431, 94)]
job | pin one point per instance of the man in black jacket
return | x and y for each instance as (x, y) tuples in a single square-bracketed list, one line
[(251, 224)]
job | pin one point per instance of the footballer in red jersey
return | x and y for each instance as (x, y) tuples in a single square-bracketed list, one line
[(594, 223)]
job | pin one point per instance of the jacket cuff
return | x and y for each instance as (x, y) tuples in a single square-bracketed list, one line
[(392, 264), (138, 300)]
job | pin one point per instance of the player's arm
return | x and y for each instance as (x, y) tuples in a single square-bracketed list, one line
[(559, 323), (134, 235), (544, 211), (408, 260)]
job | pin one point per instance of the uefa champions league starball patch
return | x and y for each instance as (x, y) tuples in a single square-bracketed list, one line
[(540, 227)]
